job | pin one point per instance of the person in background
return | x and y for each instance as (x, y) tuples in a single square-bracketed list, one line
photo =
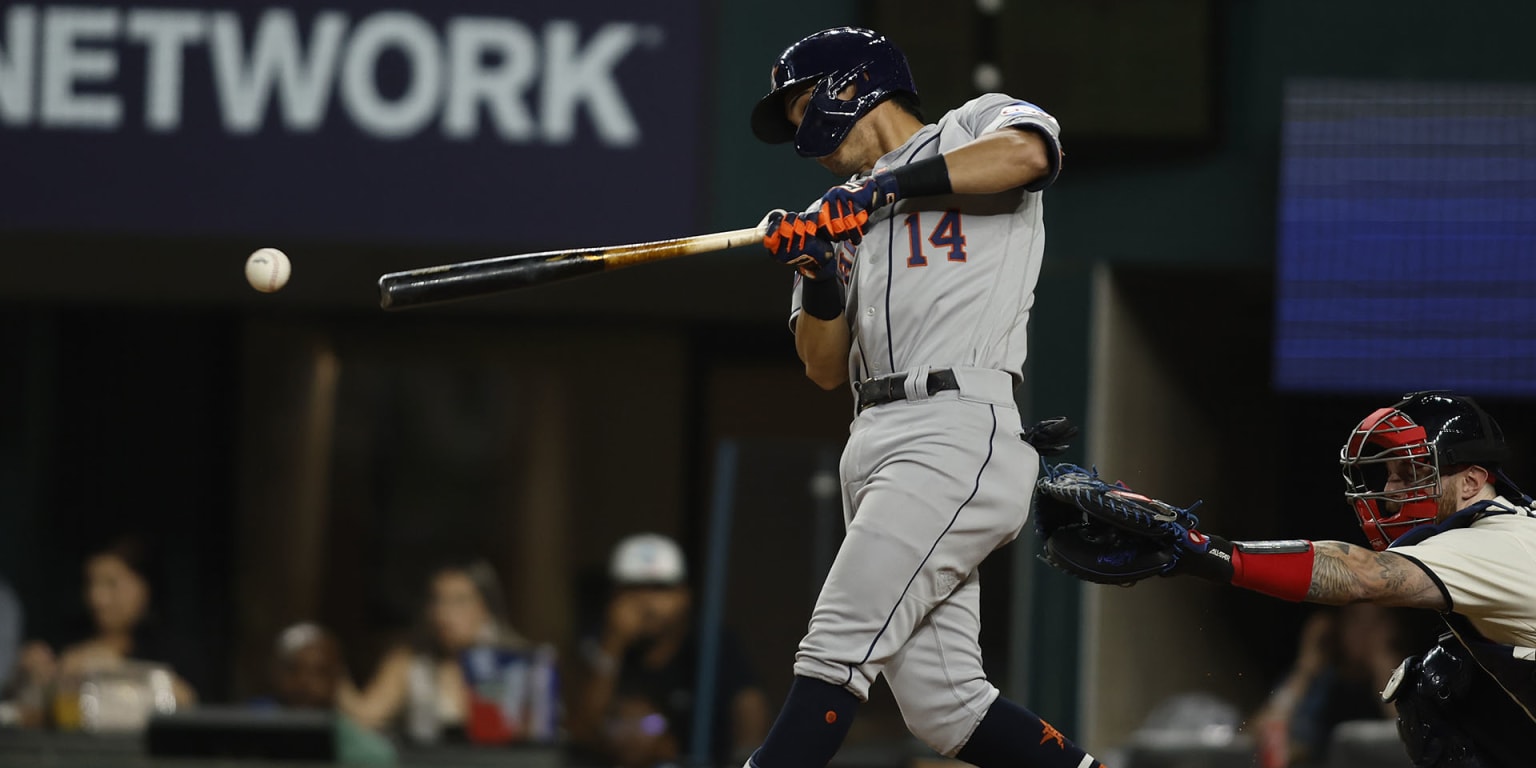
[(36, 669), (1343, 660), (649, 645), (424, 682), (638, 734), (307, 670), (124, 626), (10, 632), (308, 674), (12, 711)]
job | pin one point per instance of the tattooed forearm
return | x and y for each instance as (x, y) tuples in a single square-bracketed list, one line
[(1342, 573), (1332, 580)]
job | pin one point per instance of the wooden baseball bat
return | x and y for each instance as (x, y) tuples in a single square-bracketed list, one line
[(469, 279)]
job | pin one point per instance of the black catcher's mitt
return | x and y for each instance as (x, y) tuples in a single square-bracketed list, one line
[(1109, 534)]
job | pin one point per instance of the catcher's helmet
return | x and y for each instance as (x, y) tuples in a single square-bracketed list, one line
[(1394, 458), (832, 60)]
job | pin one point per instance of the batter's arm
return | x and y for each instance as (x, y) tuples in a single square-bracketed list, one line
[(998, 161), (1345, 573), (823, 346)]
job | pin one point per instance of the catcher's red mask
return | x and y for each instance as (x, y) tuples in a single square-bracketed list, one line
[(1391, 476)]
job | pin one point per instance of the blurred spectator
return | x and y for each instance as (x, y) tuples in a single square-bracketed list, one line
[(637, 733), (307, 673), (124, 624), (10, 654), (1343, 659), (307, 670), (649, 645), (10, 632), (423, 682), (36, 669)]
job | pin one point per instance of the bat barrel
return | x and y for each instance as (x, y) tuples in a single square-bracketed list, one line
[(399, 290), (451, 282)]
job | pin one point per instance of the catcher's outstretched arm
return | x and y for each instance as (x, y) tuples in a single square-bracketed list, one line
[(1330, 572), (1344, 573), (1109, 534)]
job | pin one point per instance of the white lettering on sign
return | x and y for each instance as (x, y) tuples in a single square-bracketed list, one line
[(164, 34), (274, 68), (59, 70), (17, 62), (573, 76), (494, 62), (407, 114), (70, 61)]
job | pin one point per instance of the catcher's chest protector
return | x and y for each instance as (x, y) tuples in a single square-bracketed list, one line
[(1452, 713)]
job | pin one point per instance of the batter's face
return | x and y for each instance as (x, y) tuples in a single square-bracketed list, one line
[(854, 154)]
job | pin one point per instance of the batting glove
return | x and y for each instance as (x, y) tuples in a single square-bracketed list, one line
[(793, 240), (845, 210), (1050, 437)]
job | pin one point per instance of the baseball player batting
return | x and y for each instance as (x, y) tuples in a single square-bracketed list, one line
[(914, 281)]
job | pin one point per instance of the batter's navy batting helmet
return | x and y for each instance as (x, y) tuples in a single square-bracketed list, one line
[(1393, 460), (831, 60)]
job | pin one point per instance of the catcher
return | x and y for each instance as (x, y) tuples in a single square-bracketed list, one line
[(1449, 532)]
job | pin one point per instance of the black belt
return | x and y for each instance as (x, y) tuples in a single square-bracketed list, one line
[(889, 388)]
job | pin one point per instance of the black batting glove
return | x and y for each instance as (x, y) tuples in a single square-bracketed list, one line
[(845, 210), (1049, 436)]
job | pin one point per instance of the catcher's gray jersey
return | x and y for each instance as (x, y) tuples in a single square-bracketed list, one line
[(933, 483)]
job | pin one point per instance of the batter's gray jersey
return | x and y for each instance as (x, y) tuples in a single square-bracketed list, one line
[(948, 281)]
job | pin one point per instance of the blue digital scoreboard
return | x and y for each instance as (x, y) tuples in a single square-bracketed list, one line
[(1407, 238)]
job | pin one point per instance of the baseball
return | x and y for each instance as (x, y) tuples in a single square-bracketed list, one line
[(267, 269)]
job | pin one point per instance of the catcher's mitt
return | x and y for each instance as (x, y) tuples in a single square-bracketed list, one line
[(1109, 534)]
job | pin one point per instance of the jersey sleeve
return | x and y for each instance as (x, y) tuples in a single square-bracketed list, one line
[(1482, 570), (995, 111)]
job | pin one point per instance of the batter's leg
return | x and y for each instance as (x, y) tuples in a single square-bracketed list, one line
[(810, 728), (946, 700), (1011, 736), (937, 677), (932, 504), (936, 502)]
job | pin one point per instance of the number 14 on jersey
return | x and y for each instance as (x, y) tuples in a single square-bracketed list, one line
[(945, 235)]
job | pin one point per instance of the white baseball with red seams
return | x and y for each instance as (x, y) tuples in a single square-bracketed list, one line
[(267, 269)]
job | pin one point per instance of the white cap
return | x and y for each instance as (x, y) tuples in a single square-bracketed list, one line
[(647, 558)]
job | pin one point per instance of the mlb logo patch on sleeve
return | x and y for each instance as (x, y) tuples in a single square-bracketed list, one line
[(1021, 108)]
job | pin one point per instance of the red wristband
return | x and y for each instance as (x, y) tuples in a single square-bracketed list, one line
[(1286, 575)]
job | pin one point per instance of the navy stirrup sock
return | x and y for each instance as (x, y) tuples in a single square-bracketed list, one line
[(810, 727), (1013, 736)]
